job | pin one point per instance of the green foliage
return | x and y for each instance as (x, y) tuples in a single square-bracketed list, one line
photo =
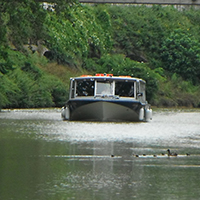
[(159, 44), (180, 54), (138, 30), (177, 92), (8, 91), (78, 34), (27, 86), (24, 20), (166, 39), (5, 63), (3, 29)]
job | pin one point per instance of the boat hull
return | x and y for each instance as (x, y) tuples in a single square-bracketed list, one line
[(104, 110)]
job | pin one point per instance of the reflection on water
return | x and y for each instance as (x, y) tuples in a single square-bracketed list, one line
[(43, 157)]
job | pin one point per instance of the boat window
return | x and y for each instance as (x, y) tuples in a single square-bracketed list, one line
[(84, 88), (104, 88), (72, 88), (142, 91), (124, 89)]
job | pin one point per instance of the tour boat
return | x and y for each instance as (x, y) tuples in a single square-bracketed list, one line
[(104, 97)]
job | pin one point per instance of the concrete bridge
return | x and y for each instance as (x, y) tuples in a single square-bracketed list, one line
[(161, 2)]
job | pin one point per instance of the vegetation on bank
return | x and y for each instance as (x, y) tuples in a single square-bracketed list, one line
[(40, 48)]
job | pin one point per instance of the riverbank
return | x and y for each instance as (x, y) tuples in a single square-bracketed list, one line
[(175, 109), (37, 59)]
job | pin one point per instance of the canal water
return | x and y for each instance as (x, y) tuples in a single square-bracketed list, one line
[(43, 157)]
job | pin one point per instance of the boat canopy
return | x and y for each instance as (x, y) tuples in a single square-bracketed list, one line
[(107, 85)]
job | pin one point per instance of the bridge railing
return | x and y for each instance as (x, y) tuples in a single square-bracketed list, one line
[(162, 2)]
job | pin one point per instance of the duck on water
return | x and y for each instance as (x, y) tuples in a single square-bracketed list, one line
[(171, 153), (104, 97)]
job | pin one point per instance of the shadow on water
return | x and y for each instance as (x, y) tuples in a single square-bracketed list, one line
[(43, 157)]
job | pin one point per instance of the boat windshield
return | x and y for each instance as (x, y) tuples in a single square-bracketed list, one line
[(85, 88), (124, 89), (104, 88)]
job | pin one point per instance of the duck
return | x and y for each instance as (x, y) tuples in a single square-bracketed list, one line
[(171, 154)]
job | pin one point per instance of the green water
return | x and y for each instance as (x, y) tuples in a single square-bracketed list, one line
[(43, 157)]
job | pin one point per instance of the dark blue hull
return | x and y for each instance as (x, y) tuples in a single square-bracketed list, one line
[(103, 110)]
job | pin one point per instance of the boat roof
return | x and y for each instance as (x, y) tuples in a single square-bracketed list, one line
[(108, 77)]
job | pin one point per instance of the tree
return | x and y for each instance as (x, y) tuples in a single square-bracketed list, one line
[(24, 20), (180, 54)]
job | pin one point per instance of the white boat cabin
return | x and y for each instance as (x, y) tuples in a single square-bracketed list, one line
[(107, 86)]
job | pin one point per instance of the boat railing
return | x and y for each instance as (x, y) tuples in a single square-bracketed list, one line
[(106, 96), (113, 96)]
